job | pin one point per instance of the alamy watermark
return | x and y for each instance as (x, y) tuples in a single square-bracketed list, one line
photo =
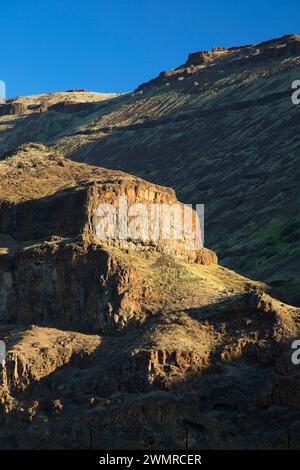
[(296, 353), (150, 222), (296, 93)]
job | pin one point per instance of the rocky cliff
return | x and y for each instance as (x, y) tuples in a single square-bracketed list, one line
[(129, 344), (207, 376), (220, 129), (50, 240), (139, 342)]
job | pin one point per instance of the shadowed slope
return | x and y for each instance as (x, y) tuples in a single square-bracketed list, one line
[(222, 130)]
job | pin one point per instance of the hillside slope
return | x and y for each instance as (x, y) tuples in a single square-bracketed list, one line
[(222, 130), (127, 344)]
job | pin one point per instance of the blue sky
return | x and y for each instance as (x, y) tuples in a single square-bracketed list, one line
[(114, 45)]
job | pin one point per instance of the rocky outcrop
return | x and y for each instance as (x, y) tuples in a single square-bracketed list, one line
[(143, 216), (75, 212), (281, 50), (60, 264), (71, 107), (12, 108), (177, 377), (175, 351), (198, 58), (250, 55), (80, 285), (41, 351), (70, 101)]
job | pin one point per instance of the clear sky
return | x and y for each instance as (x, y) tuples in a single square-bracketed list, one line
[(114, 45)]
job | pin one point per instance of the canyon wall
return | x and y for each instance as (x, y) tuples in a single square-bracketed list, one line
[(56, 266)]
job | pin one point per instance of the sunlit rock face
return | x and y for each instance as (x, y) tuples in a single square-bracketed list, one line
[(56, 263), (221, 129), (127, 342), (139, 215)]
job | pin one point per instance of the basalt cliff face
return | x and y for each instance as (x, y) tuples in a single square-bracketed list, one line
[(129, 344), (221, 129), (147, 342), (50, 224)]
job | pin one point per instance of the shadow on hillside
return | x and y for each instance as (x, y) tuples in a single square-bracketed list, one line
[(232, 402)]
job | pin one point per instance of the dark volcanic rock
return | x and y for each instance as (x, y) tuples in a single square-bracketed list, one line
[(71, 107), (12, 108)]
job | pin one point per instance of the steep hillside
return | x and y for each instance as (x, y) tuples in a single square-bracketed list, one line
[(126, 343), (217, 377), (221, 129), (50, 233)]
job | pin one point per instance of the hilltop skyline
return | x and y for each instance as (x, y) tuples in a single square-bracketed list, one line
[(131, 42)]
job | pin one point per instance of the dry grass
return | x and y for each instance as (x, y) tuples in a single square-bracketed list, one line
[(58, 97), (35, 171)]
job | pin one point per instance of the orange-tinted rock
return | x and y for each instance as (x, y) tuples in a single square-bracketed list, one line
[(199, 57)]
